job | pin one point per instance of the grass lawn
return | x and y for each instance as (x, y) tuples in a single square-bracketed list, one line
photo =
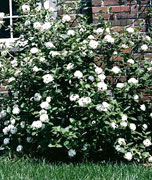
[(25, 169)]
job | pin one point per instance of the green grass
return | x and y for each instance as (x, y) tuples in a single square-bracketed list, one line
[(25, 169)]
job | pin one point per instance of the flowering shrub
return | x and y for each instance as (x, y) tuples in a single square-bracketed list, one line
[(79, 89)]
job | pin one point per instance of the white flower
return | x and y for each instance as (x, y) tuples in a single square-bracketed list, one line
[(93, 44), (143, 107), (99, 31), (114, 125), (78, 74), (43, 112), (70, 66), (115, 52), (37, 97), (131, 61), (147, 142), (19, 148), (2, 114), (35, 69), (98, 70), (71, 153), (93, 122), (84, 101), (16, 110), (66, 18), (6, 122), (44, 118), (120, 85), (132, 126), (48, 99), (102, 86), (27, 23), (136, 97), (12, 121), (22, 124), (64, 36), (49, 45), (144, 47), (54, 53), (42, 59), (14, 63), (130, 30), (148, 38), (74, 97), (46, 5), (133, 81), (34, 50), (123, 123), (44, 105), (108, 30), (102, 77), (46, 26), (37, 25), (149, 69), (90, 37), (10, 127), (17, 73), (13, 130), (6, 130), (47, 78), (91, 78), (128, 156), (36, 124), (121, 141), (124, 117), (6, 141), (109, 39), (115, 69), (124, 46), (102, 107), (71, 33), (29, 139), (25, 8), (145, 126), (151, 115), (2, 15), (11, 79), (117, 147), (150, 159)]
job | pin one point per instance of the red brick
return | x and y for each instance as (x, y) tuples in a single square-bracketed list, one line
[(96, 3), (112, 2), (3, 88), (114, 9)]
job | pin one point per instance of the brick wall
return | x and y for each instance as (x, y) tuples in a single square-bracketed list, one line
[(123, 13)]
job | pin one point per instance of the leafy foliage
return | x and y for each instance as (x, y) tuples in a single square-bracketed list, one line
[(62, 100)]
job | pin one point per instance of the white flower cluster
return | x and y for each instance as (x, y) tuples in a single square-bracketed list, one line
[(26, 8), (103, 107), (47, 78), (93, 44), (101, 85), (39, 26), (84, 101), (10, 128), (78, 74), (108, 38), (74, 97), (124, 118), (116, 70)]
